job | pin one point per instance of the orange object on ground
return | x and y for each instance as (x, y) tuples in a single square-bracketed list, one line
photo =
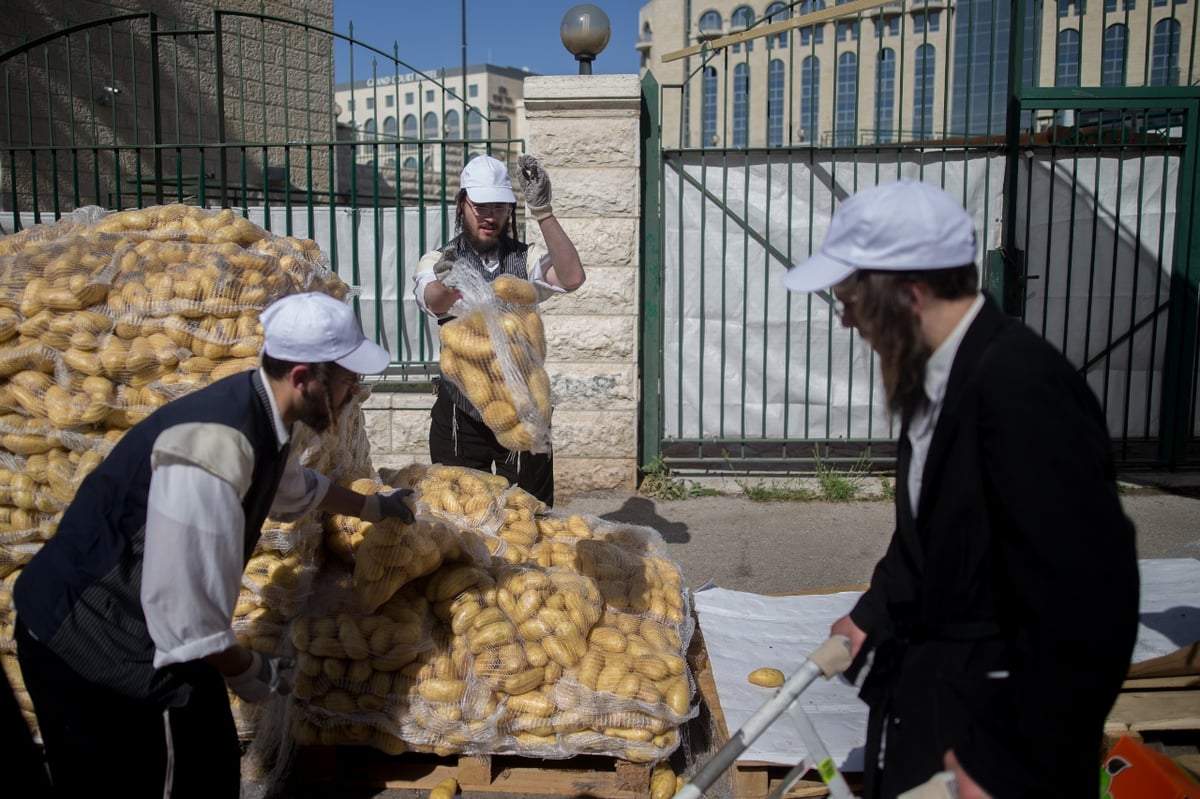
[(1133, 770)]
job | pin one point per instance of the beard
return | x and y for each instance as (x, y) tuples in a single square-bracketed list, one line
[(886, 320), (316, 410), (484, 236), (902, 363)]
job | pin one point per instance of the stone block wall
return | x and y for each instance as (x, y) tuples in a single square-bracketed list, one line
[(94, 90), (585, 130)]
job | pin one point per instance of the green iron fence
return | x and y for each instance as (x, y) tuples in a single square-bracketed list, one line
[(241, 112), (1080, 180)]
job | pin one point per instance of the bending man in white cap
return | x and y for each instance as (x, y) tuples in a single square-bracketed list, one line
[(1002, 617), (124, 628), (486, 238)]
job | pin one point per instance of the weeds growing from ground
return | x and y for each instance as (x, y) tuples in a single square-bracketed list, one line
[(840, 485), (659, 482)]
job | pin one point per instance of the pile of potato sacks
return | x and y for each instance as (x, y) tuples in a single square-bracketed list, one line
[(490, 625)]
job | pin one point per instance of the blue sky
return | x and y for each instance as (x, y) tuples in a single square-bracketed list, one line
[(511, 33)]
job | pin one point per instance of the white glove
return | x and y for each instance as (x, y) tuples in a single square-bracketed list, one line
[(444, 264), (388, 505), (535, 185), (264, 679)]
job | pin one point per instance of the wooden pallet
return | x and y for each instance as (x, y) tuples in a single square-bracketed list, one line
[(1159, 695), (363, 767)]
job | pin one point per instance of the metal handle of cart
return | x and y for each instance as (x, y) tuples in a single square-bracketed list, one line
[(829, 659)]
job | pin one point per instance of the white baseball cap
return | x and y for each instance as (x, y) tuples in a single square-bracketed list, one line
[(316, 328), (486, 181), (903, 226)]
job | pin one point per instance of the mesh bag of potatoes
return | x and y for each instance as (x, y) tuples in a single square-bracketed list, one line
[(494, 351), (529, 632), (105, 316)]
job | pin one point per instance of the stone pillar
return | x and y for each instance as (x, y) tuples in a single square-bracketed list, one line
[(585, 131)]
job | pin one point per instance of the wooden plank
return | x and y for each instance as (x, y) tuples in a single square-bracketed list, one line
[(1160, 683), (1140, 711), (364, 767)]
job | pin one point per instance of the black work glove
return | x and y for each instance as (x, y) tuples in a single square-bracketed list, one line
[(388, 505), (535, 185), (266, 677)]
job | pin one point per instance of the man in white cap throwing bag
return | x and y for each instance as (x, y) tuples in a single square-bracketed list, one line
[(1000, 622), (124, 617), (486, 240)]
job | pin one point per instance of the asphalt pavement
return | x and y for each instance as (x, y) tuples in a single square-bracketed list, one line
[(745, 544)]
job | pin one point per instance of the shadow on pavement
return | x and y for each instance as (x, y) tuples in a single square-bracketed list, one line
[(641, 511)]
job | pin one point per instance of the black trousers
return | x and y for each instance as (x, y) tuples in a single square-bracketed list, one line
[(474, 445), (22, 757), (99, 742)]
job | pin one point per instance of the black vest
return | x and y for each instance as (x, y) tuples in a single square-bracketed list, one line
[(80, 594)]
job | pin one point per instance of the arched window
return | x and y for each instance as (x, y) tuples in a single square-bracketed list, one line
[(1114, 53), (741, 18), (389, 127), (710, 22), (452, 130), (845, 99), (430, 126), (775, 71), (810, 98), (1066, 67), (410, 162), (647, 34), (410, 126), (474, 125), (885, 95), (708, 108), (923, 86), (809, 6), (368, 129), (1164, 62), (777, 12), (741, 105)]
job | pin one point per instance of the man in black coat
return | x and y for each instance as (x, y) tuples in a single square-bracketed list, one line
[(1000, 622)]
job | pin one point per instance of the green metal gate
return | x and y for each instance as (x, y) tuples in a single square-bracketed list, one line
[(1083, 197), (239, 112)]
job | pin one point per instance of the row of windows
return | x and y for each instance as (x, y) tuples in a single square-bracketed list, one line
[(1164, 71), (847, 30), (410, 98), (430, 129), (845, 98), (1080, 6), (1164, 56)]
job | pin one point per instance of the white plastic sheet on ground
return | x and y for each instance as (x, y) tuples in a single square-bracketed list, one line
[(743, 631)]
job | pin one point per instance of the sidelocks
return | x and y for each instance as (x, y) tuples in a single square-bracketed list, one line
[(828, 660)]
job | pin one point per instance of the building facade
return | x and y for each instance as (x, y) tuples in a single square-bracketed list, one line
[(898, 71), (416, 127)]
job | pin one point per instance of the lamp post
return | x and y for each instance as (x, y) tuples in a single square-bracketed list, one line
[(585, 31)]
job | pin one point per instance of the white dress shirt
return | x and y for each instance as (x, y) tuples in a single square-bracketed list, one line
[(193, 560), (924, 421)]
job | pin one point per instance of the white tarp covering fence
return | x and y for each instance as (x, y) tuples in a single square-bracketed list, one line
[(744, 358)]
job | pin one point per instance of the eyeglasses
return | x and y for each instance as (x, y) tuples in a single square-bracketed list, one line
[(486, 210)]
